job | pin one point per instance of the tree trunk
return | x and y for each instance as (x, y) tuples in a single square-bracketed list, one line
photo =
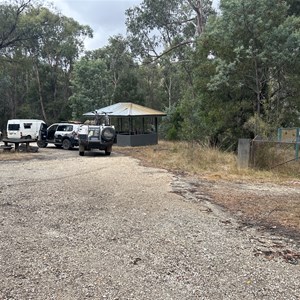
[(169, 90), (198, 8), (258, 98), (40, 92)]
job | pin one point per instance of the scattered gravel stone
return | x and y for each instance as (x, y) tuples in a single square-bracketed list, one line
[(98, 227)]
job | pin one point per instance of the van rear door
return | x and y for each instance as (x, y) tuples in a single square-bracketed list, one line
[(13, 131)]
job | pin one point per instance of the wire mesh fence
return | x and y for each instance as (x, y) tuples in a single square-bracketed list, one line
[(275, 155)]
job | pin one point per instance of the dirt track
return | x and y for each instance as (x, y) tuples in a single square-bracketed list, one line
[(98, 227)]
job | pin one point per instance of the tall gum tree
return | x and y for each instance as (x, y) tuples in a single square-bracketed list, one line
[(156, 27), (58, 44), (37, 53), (13, 30), (106, 76), (164, 33), (120, 67), (255, 46)]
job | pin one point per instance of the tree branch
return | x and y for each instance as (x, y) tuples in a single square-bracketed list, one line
[(7, 38), (157, 57)]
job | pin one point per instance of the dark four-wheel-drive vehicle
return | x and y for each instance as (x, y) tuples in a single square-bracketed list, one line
[(62, 135), (96, 137)]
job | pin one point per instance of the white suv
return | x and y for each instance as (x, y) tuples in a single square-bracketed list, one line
[(96, 137), (63, 135)]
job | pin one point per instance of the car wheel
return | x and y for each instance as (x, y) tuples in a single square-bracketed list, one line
[(66, 144), (107, 152), (81, 150), (41, 144)]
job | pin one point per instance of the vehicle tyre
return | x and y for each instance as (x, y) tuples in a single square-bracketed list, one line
[(66, 144), (107, 152), (81, 150), (42, 144)]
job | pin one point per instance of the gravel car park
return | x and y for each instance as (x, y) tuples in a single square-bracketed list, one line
[(108, 228)]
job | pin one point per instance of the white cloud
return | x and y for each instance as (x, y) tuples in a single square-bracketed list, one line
[(105, 17)]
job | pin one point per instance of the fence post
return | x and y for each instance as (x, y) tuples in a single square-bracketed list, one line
[(243, 153), (297, 144)]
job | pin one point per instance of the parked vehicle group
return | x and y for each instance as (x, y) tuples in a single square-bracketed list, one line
[(66, 135)]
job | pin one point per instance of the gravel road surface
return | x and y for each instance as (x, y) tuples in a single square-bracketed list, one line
[(99, 227)]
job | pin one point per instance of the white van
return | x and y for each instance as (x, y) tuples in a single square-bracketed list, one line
[(25, 128)]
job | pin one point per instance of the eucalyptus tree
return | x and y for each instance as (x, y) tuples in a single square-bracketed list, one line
[(106, 76), (165, 33), (121, 68), (156, 27), (39, 48), (57, 46), (13, 30), (294, 7), (91, 87), (254, 51), (15, 86), (152, 86)]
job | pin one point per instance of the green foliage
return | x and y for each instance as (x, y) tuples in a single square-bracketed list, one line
[(237, 78), (243, 67), (171, 124), (90, 85), (127, 89), (38, 48), (263, 46), (294, 7), (14, 30), (158, 24), (105, 76)]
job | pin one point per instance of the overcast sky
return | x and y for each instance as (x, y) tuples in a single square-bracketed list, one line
[(105, 17)]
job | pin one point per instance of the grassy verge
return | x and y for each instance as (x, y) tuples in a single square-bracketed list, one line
[(205, 161)]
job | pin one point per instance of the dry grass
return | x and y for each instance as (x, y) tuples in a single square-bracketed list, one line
[(278, 157), (204, 161)]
